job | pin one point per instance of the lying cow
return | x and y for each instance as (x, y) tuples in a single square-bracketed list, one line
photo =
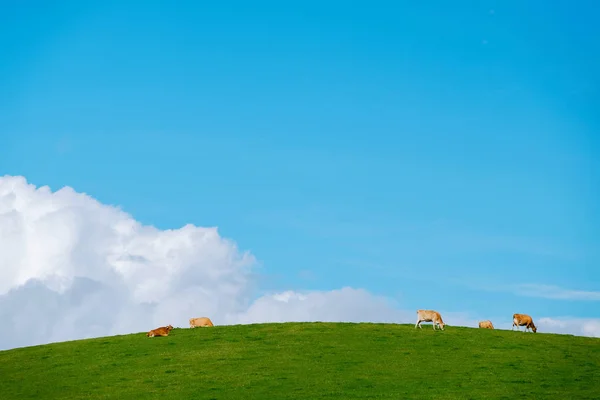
[(162, 331), (429, 316), (523, 320), (486, 324), (200, 322)]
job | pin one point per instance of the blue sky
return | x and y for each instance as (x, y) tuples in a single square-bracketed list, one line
[(441, 153)]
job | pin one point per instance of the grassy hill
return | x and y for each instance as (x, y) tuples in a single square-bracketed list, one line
[(308, 361)]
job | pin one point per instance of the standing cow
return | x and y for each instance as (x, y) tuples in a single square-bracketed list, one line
[(486, 324), (202, 322), (429, 316), (523, 320)]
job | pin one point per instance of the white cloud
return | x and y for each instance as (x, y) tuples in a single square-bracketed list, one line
[(71, 267), (346, 304), (573, 326), (536, 290), (555, 292)]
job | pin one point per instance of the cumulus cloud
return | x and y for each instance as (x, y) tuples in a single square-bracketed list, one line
[(71, 268), (346, 304), (568, 325), (555, 292)]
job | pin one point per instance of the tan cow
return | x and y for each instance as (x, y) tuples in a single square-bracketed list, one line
[(486, 324), (202, 322), (429, 316), (523, 320), (162, 331)]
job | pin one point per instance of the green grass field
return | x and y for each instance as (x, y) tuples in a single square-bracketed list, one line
[(308, 361)]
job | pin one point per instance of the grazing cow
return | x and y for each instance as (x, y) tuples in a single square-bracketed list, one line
[(202, 321), (162, 331), (429, 316), (486, 324), (523, 320)]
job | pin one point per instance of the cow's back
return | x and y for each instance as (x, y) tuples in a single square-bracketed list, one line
[(522, 319), (429, 315), (158, 332), (486, 324), (426, 315), (200, 322)]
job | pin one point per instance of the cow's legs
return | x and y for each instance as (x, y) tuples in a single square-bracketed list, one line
[(418, 324)]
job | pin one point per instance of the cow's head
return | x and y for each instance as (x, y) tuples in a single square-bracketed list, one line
[(442, 325), (169, 327), (533, 328)]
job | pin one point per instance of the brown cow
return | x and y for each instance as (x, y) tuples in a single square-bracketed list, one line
[(202, 321), (523, 320), (429, 316), (162, 331), (486, 324)]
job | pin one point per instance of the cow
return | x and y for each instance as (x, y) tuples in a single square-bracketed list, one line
[(202, 322), (429, 316), (162, 331), (523, 320), (486, 324)]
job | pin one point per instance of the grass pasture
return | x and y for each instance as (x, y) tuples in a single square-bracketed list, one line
[(308, 361)]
